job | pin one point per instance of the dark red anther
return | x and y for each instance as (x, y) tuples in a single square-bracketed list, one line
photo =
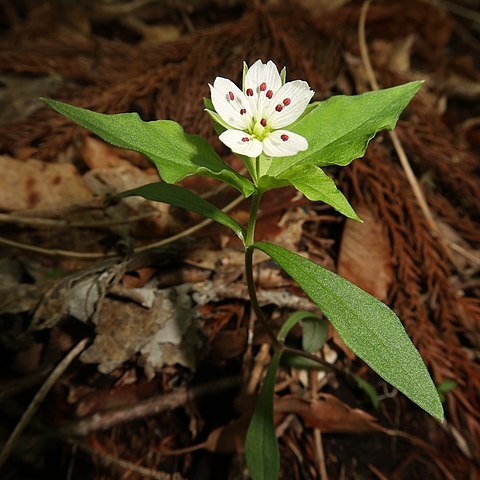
[(245, 139), (263, 87), (231, 95), (269, 94), (284, 137), (243, 111), (249, 92), (279, 108), (263, 122), (286, 101)]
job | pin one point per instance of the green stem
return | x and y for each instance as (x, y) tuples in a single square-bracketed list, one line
[(250, 237), (249, 241)]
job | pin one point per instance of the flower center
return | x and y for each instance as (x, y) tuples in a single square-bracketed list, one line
[(259, 129)]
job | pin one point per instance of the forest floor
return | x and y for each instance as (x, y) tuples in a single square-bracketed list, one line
[(88, 289)]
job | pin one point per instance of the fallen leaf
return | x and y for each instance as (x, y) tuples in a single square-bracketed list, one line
[(328, 414), (167, 333), (229, 438), (395, 55), (365, 257), (98, 154), (35, 185)]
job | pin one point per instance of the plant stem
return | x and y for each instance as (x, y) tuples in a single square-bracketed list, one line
[(250, 237), (249, 241)]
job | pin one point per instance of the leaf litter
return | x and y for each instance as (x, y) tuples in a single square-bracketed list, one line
[(135, 65)]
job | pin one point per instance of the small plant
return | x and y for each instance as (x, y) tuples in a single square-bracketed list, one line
[(283, 141)]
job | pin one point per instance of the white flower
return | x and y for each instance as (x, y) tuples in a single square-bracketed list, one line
[(254, 117)]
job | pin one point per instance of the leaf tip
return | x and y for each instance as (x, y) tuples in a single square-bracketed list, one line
[(437, 411), (46, 100)]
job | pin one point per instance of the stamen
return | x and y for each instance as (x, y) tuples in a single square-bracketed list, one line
[(284, 137), (269, 94), (286, 101), (263, 122), (243, 111), (279, 108), (245, 139), (249, 92), (231, 95), (263, 87)]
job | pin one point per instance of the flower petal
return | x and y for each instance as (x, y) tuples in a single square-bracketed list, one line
[(264, 81), (289, 103), (283, 143), (235, 140), (230, 103)]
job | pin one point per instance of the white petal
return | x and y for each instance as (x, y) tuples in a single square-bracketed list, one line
[(291, 143), (235, 140), (230, 110), (293, 99), (260, 73)]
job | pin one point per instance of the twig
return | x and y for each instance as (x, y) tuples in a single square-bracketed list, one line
[(411, 178), (129, 466), (24, 383), (456, 9), (123, 8), (54, 252), (317, 434), (38, 399), (62, 223), (393, 135), (148, 407)]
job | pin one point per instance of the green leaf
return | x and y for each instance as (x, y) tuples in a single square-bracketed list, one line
[(369, 328), (338, 130), (297, 361), (445, 387), (176, 154), (244, 74), (368, 389), (219, 124), (315, 329), (261, 447), (315, 184), (315, 332), (183, 198)]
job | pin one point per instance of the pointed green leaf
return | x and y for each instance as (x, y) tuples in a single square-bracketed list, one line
[(338, 130), (315, 329), (368, 389), (261, 447), (314, 183), (315, 332), (369, 328), (220, 124), (176, 154), (183, 198), (302, 363)]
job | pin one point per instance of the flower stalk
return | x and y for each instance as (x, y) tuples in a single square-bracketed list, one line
[(249, 241)]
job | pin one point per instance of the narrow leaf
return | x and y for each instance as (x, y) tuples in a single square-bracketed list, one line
[(369, 328), (261, 447), (368, 389), (183, 198), (297, 361), (338, 130), (176, 154), (315, 332), (315, 329)]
